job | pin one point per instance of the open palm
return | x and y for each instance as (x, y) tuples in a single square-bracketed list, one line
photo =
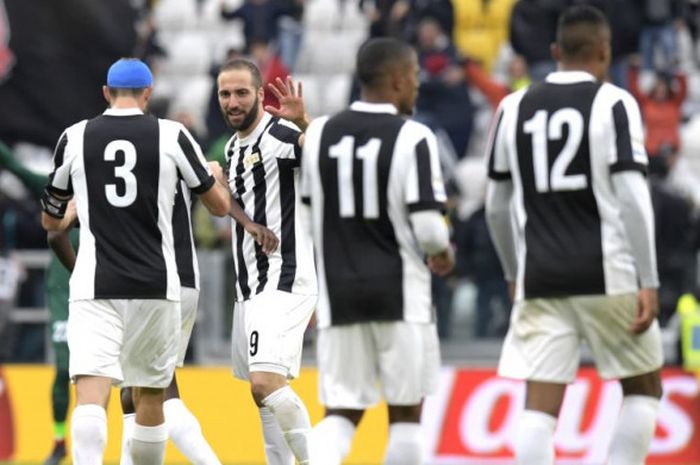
[(290, 98)]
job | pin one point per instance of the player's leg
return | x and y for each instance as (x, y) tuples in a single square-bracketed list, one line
[(608, 320), (128, 423), (409, 363), (183, 428), (93, 340), (274, 323), (331, 438), (60, 392), (542, 347), (149, 356)]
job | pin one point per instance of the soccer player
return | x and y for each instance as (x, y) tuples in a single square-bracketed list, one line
[(374, 184), (275, 293), (570, 213), (123, 169)]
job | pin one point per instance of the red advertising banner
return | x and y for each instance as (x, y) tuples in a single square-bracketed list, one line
[(6, 424), (476, 412)]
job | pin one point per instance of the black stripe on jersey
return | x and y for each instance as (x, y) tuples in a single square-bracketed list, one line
[(206, 180), (364, 269), (60, 150), (426, 195), (242, 271), (288, 239), (129, 261), (288, 135), (563, 238), (182, 239), (58, 156), (623, 142), (260, 217), (493, 174)]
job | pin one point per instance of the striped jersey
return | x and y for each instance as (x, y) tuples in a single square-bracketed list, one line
[(364, 171), (559, 141), (264, 177), (123, 168), (185, 252)]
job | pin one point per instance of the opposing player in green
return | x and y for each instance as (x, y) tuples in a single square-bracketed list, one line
[(57, 274)]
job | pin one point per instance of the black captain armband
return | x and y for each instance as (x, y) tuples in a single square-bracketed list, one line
[(54, 205)]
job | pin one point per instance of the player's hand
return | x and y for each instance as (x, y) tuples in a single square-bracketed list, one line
[(442, 263), (291, 102), (217, 171), (647, 309), (263, 236)]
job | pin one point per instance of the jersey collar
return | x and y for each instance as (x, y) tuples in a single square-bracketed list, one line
[(122, 112), (367, 107), (569, 77), (257, 131)]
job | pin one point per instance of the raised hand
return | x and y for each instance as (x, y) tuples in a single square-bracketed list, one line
[(291, 102)]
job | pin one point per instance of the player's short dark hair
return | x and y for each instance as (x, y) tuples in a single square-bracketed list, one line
[(377, 57), (115, 92), (573, 30), (242, 63)]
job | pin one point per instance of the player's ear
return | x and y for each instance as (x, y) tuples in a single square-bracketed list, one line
[(555, 52), (261, 93), (105, 94)]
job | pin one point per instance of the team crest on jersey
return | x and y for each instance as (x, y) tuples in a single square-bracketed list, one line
[(251, 159)]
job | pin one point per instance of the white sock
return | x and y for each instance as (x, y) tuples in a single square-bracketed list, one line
[(89, 433), (148, 444), (331, 439), (405, 445), (534, 438), (129, 421), (293, 418), (634, 430), (186, 433), (277, 451)]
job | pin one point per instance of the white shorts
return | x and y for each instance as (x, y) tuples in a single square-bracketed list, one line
[(355, 362), (268, 333), (543, 341), (134, 341), (189, 299)]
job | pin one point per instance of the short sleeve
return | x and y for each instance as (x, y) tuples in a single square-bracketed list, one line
[(59, 189), (628, 152), (191, 163), (312, 145), (425, 189), (287, 133), (498, 167)]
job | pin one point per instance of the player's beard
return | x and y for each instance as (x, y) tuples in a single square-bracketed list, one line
[(248, 119)]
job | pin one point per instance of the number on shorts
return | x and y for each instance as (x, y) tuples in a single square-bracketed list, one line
[(253, 343)]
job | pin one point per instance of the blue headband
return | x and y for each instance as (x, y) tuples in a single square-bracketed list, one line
[(129, 74)]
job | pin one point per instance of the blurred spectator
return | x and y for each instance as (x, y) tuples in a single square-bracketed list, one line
[(271, 68), (493, 90), (477, 261), (291, 30), (661, 110), (675, 237), (400, 18), (11, 275), (444, 94), (661, 18), (533, 25), (260, 19)]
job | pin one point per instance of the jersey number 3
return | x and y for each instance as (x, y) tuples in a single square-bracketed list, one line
[(345, 152), (544, 129), (124, 172)]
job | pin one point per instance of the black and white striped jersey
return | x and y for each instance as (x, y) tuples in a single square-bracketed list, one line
[(264, 177), (559, 141), (185, 252), (123, 168), (364, 171)]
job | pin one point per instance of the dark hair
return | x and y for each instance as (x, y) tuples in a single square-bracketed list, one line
[(377, 56), (573, 29), (242, 63), (115, 92)]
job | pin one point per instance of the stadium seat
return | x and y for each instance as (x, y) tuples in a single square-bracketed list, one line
[(189, 54), (312, 94), (336, 92), (175, 15)]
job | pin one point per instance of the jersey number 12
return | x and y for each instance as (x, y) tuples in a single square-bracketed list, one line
[(544, 129)]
